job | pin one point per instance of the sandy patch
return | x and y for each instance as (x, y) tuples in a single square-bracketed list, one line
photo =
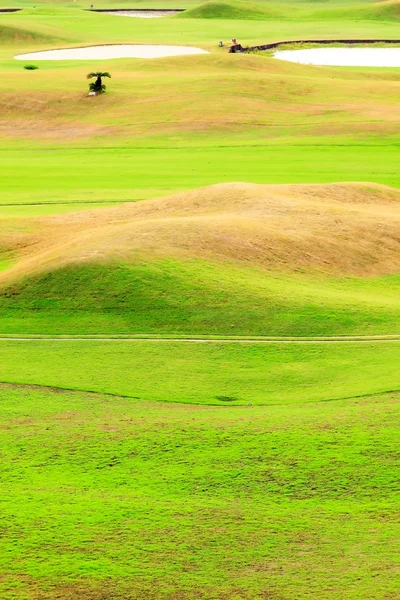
[(143, 14), (343, 57), (109, 52), (44, 129)]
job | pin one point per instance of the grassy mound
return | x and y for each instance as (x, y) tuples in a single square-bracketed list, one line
[(385, 11), (346, 229), (173, 297), (234, 258), (237, 11), (388, 10), (18, 35)]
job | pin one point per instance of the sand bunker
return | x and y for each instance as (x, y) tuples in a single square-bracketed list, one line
[(143, 14), (108, 52), (343, 57)]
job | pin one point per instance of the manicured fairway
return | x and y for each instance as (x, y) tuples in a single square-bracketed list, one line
[(133, 174), (206, 373), (106, 497)]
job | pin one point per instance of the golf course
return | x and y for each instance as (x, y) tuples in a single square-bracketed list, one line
[(199, 300)]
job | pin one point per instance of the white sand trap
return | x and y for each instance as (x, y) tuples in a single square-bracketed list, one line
[(343, 57), (143, 14), (107, 52)]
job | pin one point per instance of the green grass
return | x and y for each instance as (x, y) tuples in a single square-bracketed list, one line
[(296, 12), (197, 297), (73, 26), (237, 10), (5, 264), (242, 117), (128, 173), (202, 372), (210, 471), (106, 497)]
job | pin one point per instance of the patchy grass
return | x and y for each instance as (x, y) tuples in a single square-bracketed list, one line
[(110, 497), (250, 118)]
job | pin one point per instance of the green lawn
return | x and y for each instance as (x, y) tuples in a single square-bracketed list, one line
[(167, 470), (72, 24), (206, 373), (128, 174), (196, 297), (106, 497), (199, 120)]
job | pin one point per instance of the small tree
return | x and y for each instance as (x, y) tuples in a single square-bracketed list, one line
[(98, 85)]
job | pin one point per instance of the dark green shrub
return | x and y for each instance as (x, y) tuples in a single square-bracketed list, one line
[(97, 85)]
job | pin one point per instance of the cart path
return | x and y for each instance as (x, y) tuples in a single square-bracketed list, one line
[(205, 340)]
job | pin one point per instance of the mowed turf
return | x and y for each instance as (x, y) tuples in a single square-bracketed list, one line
[(106, 497), (120, 175), (207, 372)]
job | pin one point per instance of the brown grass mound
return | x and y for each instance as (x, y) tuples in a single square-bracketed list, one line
[(388, 3), (336, 228), (389, 8)]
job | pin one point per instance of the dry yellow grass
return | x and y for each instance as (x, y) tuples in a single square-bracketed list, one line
[(388, 3), (351, 228), (210, 93)]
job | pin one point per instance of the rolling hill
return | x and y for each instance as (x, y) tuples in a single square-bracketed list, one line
[(237, 258), (242, 10)]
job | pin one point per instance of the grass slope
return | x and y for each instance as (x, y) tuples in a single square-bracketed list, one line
[(120, 499), (333, 228), (238, 258), (215, 99), (17, 36), (196, 297), (376, 11), (237, 10), (388, 10)]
